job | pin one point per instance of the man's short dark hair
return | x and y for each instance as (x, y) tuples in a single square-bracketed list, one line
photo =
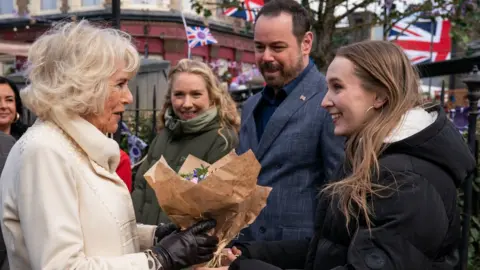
[(301, 23)]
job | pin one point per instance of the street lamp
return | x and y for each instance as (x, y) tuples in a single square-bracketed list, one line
[(116, 14), (473, 84)]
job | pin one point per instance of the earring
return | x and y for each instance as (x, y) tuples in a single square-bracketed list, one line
[(17, 117), (371, 107)]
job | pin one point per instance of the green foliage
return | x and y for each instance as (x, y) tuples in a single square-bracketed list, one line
[(474, 240), (199, 173), (201, 9), (124, 143), (465, 18)]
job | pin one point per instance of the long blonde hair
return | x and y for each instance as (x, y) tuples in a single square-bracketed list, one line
[(383, 68), (227, 109)]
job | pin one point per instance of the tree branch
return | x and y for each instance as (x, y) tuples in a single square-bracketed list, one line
[(398, 19), (354, 28), (403, 30), (362, 4), (424, 7), (321, 10)]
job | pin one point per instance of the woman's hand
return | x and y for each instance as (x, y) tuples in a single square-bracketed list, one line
[(164, 230), (183, 249), (231, 255)]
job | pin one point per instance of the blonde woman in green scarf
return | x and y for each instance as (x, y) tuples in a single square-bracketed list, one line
[(199, 118)]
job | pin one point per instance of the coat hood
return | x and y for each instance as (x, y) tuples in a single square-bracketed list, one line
[(428, 134)]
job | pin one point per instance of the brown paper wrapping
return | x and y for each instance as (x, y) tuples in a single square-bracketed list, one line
[(229, 194)]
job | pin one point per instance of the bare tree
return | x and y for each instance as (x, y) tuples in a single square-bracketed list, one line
[(327, 14)]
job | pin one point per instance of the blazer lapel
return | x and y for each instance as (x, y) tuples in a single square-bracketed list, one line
[(250, 125), (306, 89)]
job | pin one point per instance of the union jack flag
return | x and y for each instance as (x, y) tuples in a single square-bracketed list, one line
[(248, 10), (199, 36), (419, 38)]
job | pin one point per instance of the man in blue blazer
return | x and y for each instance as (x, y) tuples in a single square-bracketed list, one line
[(285, 126)]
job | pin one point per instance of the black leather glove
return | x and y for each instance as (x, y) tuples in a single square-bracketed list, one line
[(186, 248), (164, 230)]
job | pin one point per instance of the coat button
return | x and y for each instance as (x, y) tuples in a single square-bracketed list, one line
[(263, 229)]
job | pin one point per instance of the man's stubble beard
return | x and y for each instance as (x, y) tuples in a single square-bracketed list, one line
[(286, 75)]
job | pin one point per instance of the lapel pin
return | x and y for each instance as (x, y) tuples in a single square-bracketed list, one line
[(302, 97)]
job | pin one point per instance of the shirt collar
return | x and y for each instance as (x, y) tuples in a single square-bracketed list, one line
[(268, 91), (291, 85), (268, 95)]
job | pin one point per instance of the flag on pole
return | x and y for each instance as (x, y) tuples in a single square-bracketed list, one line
[(189, 53), (423, 40), (248, 10), (199, 36)]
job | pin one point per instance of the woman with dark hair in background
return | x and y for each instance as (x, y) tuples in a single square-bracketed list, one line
[(11, 109), (11, 125)]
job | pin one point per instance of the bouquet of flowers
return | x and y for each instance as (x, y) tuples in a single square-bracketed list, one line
[(226, 191), (198, 174)]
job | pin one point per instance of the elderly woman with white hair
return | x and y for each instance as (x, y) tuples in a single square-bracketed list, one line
[(62, 205)]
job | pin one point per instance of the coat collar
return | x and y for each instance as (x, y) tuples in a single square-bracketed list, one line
[(102, 151)]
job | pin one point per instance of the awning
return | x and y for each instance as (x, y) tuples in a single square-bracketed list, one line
[(455, 66), (14, 48)]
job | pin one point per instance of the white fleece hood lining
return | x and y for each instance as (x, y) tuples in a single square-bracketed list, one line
[(412, 122)]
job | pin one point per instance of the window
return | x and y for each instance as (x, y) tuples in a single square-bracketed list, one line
[(146, 2), (87, 3), (7, 67), (48, 4), (6, 7)]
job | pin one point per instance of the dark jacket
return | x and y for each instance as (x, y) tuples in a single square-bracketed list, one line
[(298, 153), (416, 226), (6, 144), (18, 129), (207, 145)]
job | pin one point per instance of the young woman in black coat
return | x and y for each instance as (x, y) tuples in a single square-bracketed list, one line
[(393, 204)]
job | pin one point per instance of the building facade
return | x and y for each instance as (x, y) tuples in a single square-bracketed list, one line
[(156, 26)]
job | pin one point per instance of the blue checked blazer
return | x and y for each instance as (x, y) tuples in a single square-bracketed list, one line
[(298, 152)]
